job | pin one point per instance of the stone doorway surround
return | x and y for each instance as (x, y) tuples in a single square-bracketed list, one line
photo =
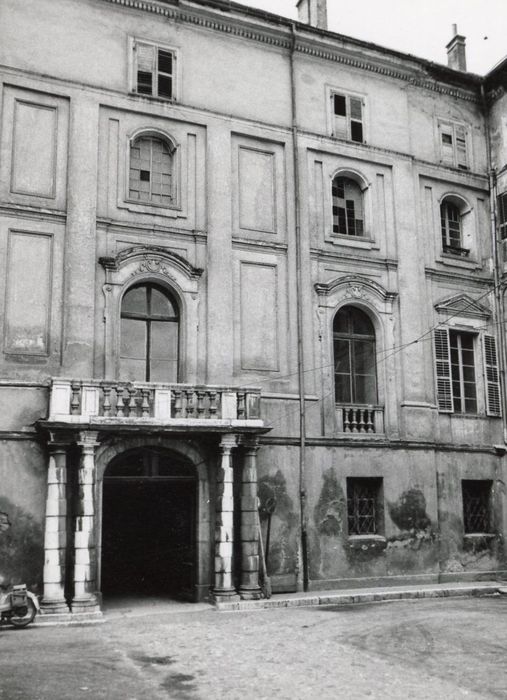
[(212, 458)]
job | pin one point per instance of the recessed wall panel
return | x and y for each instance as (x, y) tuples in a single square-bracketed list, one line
[(28, 293), (34, 149), (257, 193), (259, 317)]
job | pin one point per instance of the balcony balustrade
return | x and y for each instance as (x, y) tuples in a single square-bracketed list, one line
[(360, 419), (115, 402)]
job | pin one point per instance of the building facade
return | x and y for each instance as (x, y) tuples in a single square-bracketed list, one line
[(244, 261)]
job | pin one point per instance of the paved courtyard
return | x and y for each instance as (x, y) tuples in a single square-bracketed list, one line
[(439, 648)]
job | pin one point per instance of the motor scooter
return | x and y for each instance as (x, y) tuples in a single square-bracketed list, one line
[(18, 607)]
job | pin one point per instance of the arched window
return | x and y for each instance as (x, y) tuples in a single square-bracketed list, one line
[(149, 335), (354, 357), (151, 171), (451, 215), (348, 214)]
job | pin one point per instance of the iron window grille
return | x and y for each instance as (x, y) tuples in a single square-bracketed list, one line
[(477, 505), (364, 509)]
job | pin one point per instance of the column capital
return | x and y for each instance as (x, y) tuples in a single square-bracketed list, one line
[(228, 443), (88, 440), (250, 444)]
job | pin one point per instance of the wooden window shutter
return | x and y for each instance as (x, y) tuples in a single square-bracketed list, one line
[(461, 147), (145, 68), (493, 405), (339, 115), (443, 371), (447, 143)]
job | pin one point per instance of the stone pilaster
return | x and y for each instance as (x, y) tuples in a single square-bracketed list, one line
[(55, 532), (224, 588), (84, 535), (249, 588)]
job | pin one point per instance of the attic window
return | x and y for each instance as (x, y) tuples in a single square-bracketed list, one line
[(154, 71), (348, 117)]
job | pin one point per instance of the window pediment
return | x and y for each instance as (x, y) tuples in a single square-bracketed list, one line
[(152, 259), (463, 305)]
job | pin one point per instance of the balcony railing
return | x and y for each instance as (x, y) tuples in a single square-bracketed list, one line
[(76, 401), (360, 419)]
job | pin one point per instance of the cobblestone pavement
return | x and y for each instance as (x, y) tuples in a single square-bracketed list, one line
[(414, 649)]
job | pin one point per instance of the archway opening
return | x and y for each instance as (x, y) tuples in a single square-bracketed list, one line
[(149, 525)]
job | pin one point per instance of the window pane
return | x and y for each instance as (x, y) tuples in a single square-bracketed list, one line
[(135, 301), (164, 371), (164, 340), (341, 356), (132, 370), (133, 338), (165, 61), (165, 86), (342, 388), (356, 131), (161, 304), (365, 390), (340, 105)]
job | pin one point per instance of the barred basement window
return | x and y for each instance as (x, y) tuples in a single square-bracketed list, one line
[(154, 71), (347, 117), (151, 171), (348, 213), (477, 505), (364, 506)]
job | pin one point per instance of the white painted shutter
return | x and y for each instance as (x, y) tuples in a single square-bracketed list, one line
[(443, 371), (493, 405), (461, 147), (339, 116), (145, 68), (447, 143)]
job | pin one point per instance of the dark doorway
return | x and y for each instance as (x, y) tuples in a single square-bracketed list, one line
[(148, 525)]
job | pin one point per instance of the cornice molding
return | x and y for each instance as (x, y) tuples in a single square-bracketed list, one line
[(276, 38)]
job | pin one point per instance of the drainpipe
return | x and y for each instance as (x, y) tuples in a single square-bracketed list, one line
[(300, 325), (497, 272)]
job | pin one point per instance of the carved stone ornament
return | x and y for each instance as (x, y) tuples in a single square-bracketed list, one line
[(355, 291), (152, 265)]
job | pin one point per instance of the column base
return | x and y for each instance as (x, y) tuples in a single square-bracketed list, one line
[(53, 607), (222, 595), (85, 604), (250, 593)]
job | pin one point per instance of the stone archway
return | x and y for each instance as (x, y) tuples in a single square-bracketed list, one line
[(154, 520)]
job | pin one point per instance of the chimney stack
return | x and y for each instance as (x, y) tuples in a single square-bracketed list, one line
[(313, 12), (456, 51)]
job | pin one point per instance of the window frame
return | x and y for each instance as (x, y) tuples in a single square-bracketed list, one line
[(467, 250), (347, 132), (153, 136), (502, 215), (376, 485), (134, 43), (487, 488), (356, 236), (453, 155)]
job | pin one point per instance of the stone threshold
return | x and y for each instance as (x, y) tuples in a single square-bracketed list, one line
[(367, 595), (64, 619)]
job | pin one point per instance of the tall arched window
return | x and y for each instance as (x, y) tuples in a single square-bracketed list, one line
[(151, 171), (149, 335), (354, 357), (348, 215)]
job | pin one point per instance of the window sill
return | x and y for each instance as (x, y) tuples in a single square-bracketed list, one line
[(352, 241), (153, 98), (366, 542), (458, 261)]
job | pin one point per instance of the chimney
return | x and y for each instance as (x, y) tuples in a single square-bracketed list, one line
[(456, 52), (313, 12)]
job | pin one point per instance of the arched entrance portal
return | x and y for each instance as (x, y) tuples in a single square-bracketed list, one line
[(149, 524)]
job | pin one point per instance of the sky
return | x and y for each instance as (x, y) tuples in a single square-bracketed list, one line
[(420, 27)]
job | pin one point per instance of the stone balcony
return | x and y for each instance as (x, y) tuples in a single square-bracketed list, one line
[(360, 420), (113, 404)]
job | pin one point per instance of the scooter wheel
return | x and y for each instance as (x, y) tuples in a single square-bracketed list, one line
[(24, 620)]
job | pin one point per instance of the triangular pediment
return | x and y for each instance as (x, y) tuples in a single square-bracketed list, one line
[(462, 305)]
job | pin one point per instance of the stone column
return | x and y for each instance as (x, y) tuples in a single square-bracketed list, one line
[(249, 588), (84, 535), (55, 532), (224, 588)]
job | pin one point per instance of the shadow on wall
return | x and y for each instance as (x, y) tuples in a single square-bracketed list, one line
[(21, 547), (273, 497)]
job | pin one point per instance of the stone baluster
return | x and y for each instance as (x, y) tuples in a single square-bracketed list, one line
[(106, 405), (125, 397), (132, 392), (55, 532), (241, 405), (145, 403), (212, 404), (177, 402), (249, 587), (200, 403), (190, 403), (119, 400), (353, 420), (84, 535), (224, 588), (370, 427), (74, 402), (361, 421), (346, 420)]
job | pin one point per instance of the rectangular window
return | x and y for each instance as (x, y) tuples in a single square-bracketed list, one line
[(477, 506), (153, 71), (365, 512), (463, 372), (453, 145), (348, 117), (502, 215)]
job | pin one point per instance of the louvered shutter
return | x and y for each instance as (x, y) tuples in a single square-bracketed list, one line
[(461, 147), (447, 143), (443, 371), (493, 405), (145, 68)]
